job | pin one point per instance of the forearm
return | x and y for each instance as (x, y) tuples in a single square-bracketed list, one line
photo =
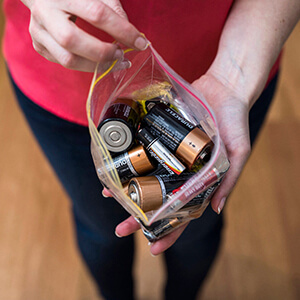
[(253, 36)]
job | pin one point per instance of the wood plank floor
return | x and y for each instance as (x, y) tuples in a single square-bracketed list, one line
[(260, 254)]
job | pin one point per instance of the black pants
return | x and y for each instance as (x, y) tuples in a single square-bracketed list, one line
[(67, 147)]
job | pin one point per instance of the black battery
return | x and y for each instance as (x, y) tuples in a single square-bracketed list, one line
[(151, 192), (119, 125), (158, 151), (186, 140), (135, 162)]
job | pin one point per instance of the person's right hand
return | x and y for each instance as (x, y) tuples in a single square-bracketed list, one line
[(56, 36)]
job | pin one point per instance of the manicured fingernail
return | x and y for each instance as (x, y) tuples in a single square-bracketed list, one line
[(104, 195), (140, 43), (118, 54), (221, 205), (119, 236)]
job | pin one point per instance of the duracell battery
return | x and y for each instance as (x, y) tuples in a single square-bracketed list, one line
[(150, 192), (158, 151), (119, 124), (125, 188), (162, 228), (135, 162), (187, 141), (146, 105)]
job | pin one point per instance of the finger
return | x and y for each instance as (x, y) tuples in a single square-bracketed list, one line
[(51, 50), (127, 227), (39, 48), (237, 162), (70, 37), (105, 18), (106, 193), (116, 6), (167, 241)]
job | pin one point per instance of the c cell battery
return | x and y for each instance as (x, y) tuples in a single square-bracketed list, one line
[(135, 162), (119, 124), (187, 141)]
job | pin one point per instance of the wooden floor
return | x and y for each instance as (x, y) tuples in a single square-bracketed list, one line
[(260, 257)]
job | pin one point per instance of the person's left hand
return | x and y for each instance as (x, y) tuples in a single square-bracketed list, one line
[(231, 111)]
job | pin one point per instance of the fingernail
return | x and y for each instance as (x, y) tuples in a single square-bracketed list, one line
[(118, 54), (221, 205), (125, 65), (140, 43), (119, 236), (104, 195)]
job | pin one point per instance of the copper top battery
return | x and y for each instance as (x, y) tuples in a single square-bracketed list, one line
[(146, 192), (133, 163), (119, 125), (158, 151), (187, 141), (150, 192), (161, 228)]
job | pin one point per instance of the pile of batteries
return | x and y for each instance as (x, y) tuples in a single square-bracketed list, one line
[(155, 150)]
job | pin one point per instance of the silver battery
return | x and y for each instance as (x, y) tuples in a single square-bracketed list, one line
[(117, 135)]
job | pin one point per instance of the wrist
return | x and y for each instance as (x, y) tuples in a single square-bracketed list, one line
[(251, 41), (241, 73)]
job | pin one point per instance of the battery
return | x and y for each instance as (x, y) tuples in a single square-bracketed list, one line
[(145, 192), (125, 188), (150, 192), (157, 150), (135, 162), (161, 228), (146, 105), (119, 124), (186, 140)]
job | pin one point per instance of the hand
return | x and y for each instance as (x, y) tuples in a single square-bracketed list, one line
[(246, 53), (56, 36), (130, 225), (231, 111)]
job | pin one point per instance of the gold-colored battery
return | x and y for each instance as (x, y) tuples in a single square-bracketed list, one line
[(140, 160), (175, 222), (195, 146), (125, 188), (146, 192)]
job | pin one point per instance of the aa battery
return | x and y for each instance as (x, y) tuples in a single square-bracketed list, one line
[(133, 163), (150, 192), (119, 125), (157, 150), (187, 141)]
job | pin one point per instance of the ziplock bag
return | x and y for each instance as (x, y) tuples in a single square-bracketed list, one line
[(139, 105)]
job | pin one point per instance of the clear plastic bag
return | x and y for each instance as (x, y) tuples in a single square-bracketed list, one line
[(146, 77)]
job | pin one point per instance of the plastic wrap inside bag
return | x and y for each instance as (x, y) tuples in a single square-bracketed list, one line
[(155, 141)]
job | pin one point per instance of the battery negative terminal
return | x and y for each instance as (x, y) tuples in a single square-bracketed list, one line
[(133, 197)]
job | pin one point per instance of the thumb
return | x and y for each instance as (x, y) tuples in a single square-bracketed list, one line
[(117, 7), (237, 162)]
